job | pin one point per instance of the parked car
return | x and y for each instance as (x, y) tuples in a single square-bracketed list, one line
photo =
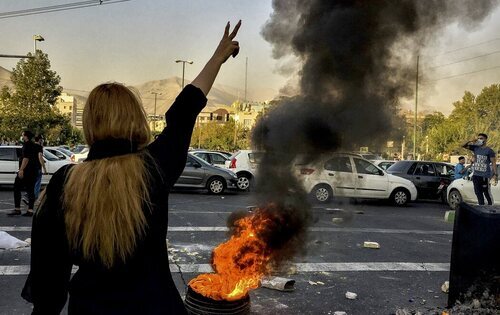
[(212, 157), (244, 163), (430, 178), (61, 153), (462, 190), (81, 155), (200, 174), (9, 164), (384, 164), (349, 175)]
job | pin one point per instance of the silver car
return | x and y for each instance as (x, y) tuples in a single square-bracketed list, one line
[(200, 174)]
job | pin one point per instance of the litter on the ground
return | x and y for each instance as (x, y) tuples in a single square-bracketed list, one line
[(374, 245), (445, 287), (278, 283), (337, 220), (340, 313), (351, 295), (8, 241)]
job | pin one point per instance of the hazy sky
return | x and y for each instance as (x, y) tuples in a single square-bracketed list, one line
[(137, 41)]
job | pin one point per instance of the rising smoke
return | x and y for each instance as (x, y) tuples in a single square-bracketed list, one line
[(354, 70)]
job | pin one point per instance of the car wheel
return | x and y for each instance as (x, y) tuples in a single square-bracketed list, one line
[(243, 182), (400, 197), (454, 199), (216, 185), (322, 193)]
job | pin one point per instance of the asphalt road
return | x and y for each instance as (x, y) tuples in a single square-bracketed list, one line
[(406, 272)]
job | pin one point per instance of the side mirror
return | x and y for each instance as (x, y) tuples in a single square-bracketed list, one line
[(196, 165)]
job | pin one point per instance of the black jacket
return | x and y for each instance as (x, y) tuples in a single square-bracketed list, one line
[(141, 285)]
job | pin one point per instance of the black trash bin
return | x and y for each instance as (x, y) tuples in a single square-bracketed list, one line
[(475, 253)]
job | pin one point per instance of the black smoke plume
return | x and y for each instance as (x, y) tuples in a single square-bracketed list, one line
[(357, 60)]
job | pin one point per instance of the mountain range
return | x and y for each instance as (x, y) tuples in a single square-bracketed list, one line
[(167, 89)]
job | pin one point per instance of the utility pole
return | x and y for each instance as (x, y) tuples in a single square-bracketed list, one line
[(416, 111), (246, 77)]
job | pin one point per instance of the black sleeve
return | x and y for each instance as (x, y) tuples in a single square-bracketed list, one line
[(170, 147), (51, 264), (470, 147)]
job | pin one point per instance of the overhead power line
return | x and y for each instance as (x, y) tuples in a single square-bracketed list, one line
[(466, 47), (466, 59), (59, 7), (461, 74)]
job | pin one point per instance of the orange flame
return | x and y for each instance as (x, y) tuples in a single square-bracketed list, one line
[(239, 263)]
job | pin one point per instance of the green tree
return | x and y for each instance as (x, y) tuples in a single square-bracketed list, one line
[(470, 116), (220, 136), (30, 103)]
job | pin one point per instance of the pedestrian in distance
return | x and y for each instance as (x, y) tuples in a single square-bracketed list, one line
[(109, 214), (484, 167), (38, 182), (460, 168), (29, 167)]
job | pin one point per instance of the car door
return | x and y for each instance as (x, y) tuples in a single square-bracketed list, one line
[(9, 164), (371, 182), (338, 172), (426, 180), (192, 175)]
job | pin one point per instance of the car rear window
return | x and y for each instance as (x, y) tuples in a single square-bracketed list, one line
[(398, 167)]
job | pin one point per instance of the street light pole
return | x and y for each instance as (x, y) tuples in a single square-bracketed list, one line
[(37, 38), (154, 115), (183, 68), (416, 108)]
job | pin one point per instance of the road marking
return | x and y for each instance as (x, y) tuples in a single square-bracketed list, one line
[(312, 229), (300, 267)]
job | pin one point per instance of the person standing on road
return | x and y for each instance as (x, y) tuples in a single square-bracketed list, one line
[(29, 166), (483, 157), (109, 214), (460, 168), (38, 182)]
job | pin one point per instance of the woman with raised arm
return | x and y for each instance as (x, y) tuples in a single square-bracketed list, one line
[(108, 215)]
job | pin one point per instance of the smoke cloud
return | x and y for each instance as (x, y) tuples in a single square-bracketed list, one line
[(357, 60)]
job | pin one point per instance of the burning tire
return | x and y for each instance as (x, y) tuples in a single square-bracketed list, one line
[(400, 197), (216, 185), (244, 181), (322, 193), (454, 199)]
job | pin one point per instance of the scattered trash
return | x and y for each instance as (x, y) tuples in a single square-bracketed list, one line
[(449, 216), (8, 241), (221, 197), (374, 245), (476, 303), (320, 283), (351, 295), (312, 282), (28, 240), (340, 313), (337, 220), (193, 254), (403, 311), (278, 283), (445, 287)]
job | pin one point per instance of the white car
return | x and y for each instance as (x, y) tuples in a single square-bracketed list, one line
[(349, 175), (9, 164), (244, 163), (82, 155), (61, 153), (462, 190)]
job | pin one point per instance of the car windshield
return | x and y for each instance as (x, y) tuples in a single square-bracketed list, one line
[(49, 156), (398, 166), (65, 151)]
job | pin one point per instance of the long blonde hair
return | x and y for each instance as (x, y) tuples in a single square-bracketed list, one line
[(104, 198)]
